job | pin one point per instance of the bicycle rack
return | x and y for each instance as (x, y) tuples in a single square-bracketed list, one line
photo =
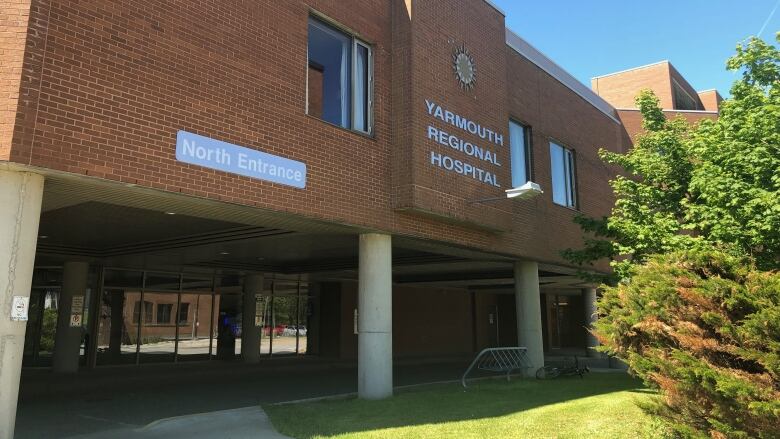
[(499, 360)]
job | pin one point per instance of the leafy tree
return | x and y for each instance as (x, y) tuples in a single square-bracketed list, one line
[(694, 242), (717, 183)]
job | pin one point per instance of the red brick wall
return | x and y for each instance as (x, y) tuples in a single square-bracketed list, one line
[(119, 79), (621, 89), (711, 100), (437, 29), (431, 321), (555, 113), (14, 15), (632, 119)]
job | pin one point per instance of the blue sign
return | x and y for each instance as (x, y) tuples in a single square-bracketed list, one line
[(222, 156)]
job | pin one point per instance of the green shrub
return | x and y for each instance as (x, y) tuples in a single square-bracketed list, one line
[(703, 327), (48, 329)]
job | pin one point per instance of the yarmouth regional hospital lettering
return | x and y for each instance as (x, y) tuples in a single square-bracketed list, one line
[(483, 158), (223, 156)]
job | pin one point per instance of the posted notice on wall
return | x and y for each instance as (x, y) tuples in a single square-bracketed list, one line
[(77, 311), (19, 307)]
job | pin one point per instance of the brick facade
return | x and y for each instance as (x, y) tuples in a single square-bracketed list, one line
[(14, 15), (105, 86)]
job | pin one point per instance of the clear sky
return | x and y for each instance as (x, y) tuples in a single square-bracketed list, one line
[(594, 37)]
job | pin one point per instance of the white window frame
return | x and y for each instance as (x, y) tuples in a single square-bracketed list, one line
[(353, 72), (569, 175), (527, 152)]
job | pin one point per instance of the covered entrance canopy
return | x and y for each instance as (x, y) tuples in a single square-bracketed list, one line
[(168, 276)]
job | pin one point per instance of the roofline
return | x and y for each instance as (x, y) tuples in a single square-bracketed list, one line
[(708, 90), (666, 61), (531, 53), (494, 6), (673, 111)]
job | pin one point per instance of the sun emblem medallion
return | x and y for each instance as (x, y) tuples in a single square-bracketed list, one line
[(465, 68)]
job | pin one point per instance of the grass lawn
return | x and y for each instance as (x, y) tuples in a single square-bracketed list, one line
[(601, 406)]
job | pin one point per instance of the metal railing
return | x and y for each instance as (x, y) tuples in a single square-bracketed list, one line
[(504, 360)]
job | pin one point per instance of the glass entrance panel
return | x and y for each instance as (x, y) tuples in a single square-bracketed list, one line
[(32, 331), (284, 326), (305, 308), (195, 323), (117, 327), (157, 311), (227, 325), (49, 305)]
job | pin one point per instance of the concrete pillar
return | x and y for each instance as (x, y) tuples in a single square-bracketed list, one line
[(375, 318), (529, 312), (589, 297), (20, 211), (250, 330), (67, 339)]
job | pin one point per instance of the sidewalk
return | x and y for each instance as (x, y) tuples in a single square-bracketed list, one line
[(244, 423)]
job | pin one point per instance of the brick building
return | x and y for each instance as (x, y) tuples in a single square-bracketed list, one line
[(308, 177)]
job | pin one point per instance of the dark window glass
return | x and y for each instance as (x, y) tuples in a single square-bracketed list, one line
[(164, 313), (339, 77), (683, 100), (519, 149), (148, 307), (184, 311), (562, 168)]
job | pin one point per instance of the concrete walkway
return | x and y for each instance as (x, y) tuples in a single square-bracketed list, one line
[(244, 423)]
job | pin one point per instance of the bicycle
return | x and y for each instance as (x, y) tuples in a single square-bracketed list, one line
[(551, 372)]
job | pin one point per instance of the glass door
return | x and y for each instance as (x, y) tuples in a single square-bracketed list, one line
[(195, 319), (286, 311), (41, 326)]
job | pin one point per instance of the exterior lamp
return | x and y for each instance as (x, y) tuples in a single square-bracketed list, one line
[(524, 192)]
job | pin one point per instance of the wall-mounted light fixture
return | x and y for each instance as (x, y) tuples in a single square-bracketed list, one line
[(524, 192)]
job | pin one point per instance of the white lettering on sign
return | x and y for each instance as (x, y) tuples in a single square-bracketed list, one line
[(222, 156), (465, 147), (486, 156), (450, 164), (461, 122)]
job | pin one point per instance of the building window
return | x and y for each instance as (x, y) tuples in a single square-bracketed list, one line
[(184, 312), (520, 153), (682, 99), (147, 312), (340, 78), (562, 165), (164, 313)]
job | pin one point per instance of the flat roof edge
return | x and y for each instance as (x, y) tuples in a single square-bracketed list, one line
[(542, 61), (494, 6), (673, 111), (666, 61)]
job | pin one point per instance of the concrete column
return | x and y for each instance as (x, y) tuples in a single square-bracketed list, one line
[(375, 318), (250, 331), (529, 312), (589, 297), (20, 211), (67, 339)]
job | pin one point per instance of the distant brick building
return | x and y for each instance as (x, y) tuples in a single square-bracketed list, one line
[(677, 97), (333, 168)]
